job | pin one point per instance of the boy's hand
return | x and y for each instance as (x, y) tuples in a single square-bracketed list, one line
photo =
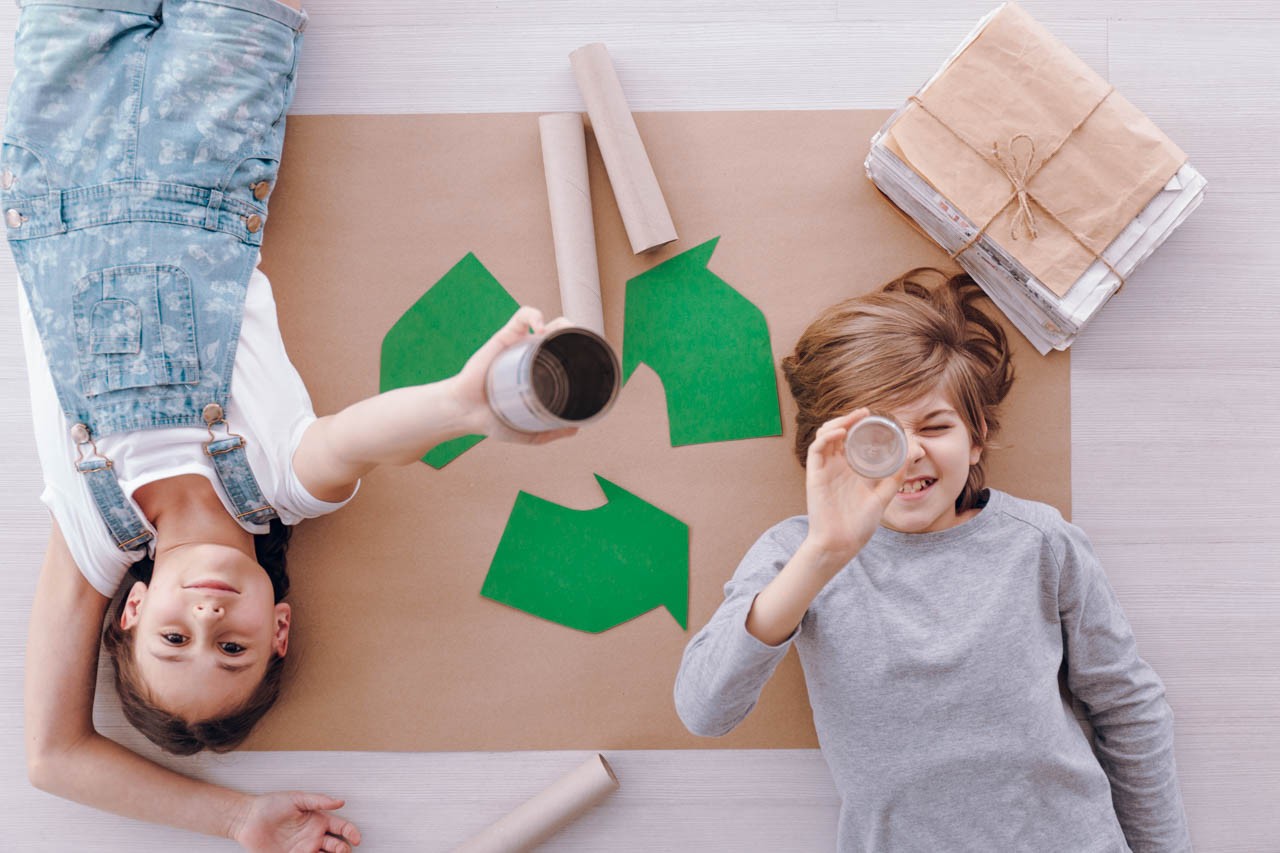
[(471, 379), (844, 507), (294, 822)]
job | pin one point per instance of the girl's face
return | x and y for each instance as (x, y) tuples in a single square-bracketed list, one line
[(939, 455), (206, 628)]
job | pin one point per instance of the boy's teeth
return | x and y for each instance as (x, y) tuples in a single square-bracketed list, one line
[(915, 486)]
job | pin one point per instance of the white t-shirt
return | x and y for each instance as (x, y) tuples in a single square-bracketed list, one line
[(268, 405)]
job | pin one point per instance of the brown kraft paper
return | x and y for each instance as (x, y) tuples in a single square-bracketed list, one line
[(393, 647), (1017, 105)]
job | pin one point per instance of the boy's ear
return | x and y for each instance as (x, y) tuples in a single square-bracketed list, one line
[(975, 452), (280, 640), (129, 614)]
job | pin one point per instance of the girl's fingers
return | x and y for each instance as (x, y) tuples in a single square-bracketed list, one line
[(526, 321), (317, 802), (344, 829), (330, 844), (558, 323)]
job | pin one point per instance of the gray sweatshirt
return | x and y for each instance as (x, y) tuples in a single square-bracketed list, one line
[(932, 665)]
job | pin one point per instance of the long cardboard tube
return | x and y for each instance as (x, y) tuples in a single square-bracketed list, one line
[(564, 163), (547, 812), (644, 210)]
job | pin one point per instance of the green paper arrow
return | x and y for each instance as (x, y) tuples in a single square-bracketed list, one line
[(434, 338), (710, 347), (595, 569)]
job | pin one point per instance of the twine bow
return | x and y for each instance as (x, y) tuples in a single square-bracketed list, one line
[(1018, 173)]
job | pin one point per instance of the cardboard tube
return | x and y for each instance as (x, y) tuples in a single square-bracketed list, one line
[(564, 163), (644, 210), (549, 811)]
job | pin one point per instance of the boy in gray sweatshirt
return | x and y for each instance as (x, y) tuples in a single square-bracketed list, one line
[(933, 616)]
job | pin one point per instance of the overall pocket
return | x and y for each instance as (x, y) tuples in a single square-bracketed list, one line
[(135, 327)]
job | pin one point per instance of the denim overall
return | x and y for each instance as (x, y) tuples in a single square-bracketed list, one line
[(141, 145)]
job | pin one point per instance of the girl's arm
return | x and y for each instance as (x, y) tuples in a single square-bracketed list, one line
[(398, 427), (844, 511), (66, 756)]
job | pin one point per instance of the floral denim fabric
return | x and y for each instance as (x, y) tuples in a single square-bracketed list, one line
[(141, 145)]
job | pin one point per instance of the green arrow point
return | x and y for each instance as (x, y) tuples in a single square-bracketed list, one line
[(710, 347), (436, 336), (591, 570)]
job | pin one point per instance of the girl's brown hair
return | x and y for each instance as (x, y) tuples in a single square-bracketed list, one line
[(169, 731), (888, 348)]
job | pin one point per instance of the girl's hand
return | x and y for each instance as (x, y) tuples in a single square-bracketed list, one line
[(844, 507), (471, 379), (294, 822)]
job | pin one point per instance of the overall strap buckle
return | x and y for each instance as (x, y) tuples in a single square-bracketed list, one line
[(122, 521), (232, 466)]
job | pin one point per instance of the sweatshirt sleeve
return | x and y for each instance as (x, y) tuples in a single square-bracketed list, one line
[(1125, 700), (724, 667)]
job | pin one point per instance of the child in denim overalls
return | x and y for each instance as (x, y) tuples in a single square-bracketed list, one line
[(140, 152)]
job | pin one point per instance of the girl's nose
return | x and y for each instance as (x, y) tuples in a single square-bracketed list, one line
[(208, 610)]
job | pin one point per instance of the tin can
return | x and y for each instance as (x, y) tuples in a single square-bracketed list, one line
[(876, 447), (566, 378)]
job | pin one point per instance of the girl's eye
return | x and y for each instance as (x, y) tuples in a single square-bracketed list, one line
[(174, 639), (232, 648), (937, 428)]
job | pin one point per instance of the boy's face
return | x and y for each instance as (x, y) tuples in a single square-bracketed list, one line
[(939, 455), (205, 630)]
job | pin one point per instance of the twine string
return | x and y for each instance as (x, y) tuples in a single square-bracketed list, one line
[(1018, 177), (1018, 172)]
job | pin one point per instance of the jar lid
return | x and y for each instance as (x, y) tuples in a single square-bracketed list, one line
[(876, 447)]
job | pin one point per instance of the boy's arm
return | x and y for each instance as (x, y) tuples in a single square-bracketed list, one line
[(1125, 700), (725, 666), (844, 512), (66, 756), (398, 427)]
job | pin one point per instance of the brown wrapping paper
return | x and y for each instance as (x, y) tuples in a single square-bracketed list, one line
[(548, 812), (392, 645), (564, 163), (640, 201), (1016, 107)]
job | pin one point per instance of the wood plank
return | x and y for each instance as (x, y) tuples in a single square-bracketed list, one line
[(1051, 12), (1186, 456), (731, 65), (1207, 298), (1211, 86)]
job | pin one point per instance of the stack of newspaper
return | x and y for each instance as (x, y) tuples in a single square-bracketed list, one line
[(1049, 320)]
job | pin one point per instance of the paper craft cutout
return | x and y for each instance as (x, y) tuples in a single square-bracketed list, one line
[(593, 569), (708, 344), (435, 337)]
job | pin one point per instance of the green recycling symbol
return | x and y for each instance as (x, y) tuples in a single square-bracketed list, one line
[(593, 570)]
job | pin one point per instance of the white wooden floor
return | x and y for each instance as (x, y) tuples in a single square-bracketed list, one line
[(1175, 410)]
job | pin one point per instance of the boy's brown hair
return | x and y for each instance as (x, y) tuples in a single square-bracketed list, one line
[(886, 349), (169, 731)]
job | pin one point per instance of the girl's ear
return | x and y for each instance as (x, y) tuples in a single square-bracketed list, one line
[(129, 614), (280, 640)]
